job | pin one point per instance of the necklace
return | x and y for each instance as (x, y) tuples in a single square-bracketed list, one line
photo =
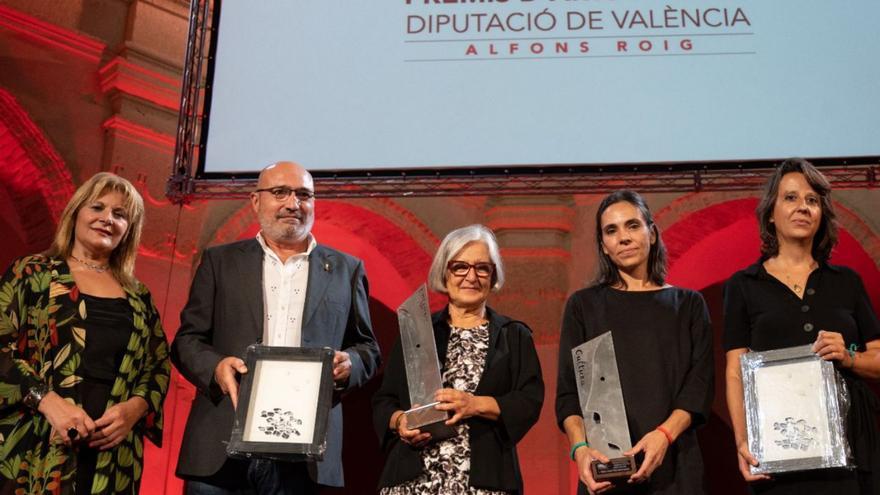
[(91, 266), (795, 286)]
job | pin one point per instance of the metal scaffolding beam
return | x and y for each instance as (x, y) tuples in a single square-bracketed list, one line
[(861, 176)]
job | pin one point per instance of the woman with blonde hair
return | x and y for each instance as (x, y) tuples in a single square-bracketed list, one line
[(83, 357)]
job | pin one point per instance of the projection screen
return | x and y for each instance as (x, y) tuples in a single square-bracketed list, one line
[(363, 85)]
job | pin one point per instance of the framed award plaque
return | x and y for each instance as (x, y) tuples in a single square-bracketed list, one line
[(283, 404), (795, 404)]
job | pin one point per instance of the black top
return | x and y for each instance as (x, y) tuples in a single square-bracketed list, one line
[(663, 345), (108, 325), (762, 313), (512, 375)]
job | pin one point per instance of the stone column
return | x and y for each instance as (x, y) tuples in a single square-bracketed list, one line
[(535, 235)]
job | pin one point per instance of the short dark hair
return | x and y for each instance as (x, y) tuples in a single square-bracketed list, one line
[(608, 273), (826, 235)]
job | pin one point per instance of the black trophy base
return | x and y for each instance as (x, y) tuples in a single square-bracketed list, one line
[(428, 419), (438, 431), (620, 467)]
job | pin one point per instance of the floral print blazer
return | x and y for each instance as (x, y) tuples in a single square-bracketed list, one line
[(42, 336)]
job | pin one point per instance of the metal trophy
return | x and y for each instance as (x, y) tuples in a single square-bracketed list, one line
[(422, 366), (601, 398)]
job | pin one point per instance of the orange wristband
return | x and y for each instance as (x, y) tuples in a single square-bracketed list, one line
[(664, 431)]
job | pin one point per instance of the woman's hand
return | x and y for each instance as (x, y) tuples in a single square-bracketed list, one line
[(746, 459), (830, 346), (461, 404), (465, 405), (414, 438), (584, 457), (113, 426), (63, 416), (654, 445)]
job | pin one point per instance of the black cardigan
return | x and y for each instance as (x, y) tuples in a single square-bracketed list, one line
[(512, 375)]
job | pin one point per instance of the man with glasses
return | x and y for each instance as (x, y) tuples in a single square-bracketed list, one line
[(281, 289)]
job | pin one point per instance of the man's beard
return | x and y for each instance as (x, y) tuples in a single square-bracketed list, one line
[(282, 232)]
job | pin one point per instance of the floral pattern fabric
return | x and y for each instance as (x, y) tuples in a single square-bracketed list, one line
[(447, 463), (42, 336)]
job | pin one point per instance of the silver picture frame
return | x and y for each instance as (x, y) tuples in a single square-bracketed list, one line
[(284, 403), (796, 405)]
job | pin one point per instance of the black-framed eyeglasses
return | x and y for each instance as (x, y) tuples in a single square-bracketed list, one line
[(281, 193), (461, 268)]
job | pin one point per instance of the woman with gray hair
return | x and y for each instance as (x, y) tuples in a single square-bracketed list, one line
[(493, 387)]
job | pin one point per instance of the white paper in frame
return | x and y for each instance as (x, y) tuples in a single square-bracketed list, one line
[(282, 402), (795, 405), (794, 424)]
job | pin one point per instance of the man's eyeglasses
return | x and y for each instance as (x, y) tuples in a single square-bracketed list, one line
[(461, 268), (281, 193)]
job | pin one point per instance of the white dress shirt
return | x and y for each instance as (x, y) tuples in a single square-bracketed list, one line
[(284, 295)]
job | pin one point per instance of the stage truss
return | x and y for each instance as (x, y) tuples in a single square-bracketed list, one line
[(183, 186), (862, 176)]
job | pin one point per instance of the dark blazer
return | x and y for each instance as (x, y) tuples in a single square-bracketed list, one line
[(224, 315), (512, 375)]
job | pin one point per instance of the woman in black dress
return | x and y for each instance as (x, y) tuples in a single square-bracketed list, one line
[(792, 296), (492, 379), (663, 345)]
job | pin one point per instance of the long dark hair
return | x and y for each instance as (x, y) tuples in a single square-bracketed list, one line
[(608, 273), (826, 235)]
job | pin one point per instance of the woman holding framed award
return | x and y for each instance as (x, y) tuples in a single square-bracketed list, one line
[(663, 347), (493, 388), (793, 296)]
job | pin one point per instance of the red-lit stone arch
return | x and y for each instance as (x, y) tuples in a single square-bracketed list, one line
[(33, 174), (396, 263), (709, 244)]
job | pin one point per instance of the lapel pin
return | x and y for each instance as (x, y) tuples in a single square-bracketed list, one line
[(326, 266)]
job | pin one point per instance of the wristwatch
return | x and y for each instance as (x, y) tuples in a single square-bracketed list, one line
[(35, 395)]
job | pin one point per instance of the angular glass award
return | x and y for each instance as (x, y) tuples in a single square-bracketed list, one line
[(601, 398), (422, 366)]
